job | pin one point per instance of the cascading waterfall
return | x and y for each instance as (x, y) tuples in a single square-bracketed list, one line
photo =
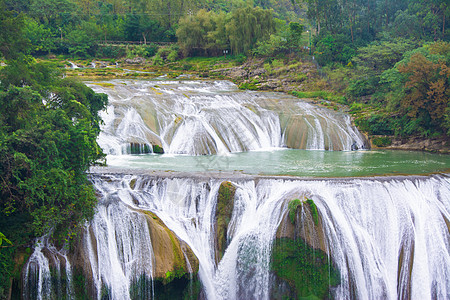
[(213, 117), (48, 273), (389, 237), (122, 251)]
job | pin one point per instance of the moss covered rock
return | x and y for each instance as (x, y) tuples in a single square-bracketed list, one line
[(158, 149), (224, 211), (300, 260), (306, 270)]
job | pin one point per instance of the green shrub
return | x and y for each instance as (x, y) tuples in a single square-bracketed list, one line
[(375, 124), (292, 208), (110, 52), (314, 212), (382, 141)]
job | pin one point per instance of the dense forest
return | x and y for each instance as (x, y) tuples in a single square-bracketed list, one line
[(387, 60), (48, 131)]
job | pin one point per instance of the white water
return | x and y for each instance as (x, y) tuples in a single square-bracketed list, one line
[(205, 117), (122, 250), (38, 282), (388, 237)]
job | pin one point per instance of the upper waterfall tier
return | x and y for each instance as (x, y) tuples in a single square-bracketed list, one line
[(214, 117)]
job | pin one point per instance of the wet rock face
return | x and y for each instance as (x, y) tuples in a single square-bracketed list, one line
[(173, 273), (224, 210), (173, 257), (300, 262)]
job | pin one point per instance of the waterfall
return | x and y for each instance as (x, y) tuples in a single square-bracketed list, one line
[(388, 237), (48, 273), (218, 235), (213, 117)]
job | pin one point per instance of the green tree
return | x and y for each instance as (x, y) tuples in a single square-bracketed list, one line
[(196, 32), (294, 36), (12, 41), (48, 130), (41, 38), (79, 42), (334, 48), (247, 26), (417, 89), (427, 90)]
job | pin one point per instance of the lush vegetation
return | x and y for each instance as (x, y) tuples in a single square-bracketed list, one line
[(76, 27), (48, 130), (389, 59)]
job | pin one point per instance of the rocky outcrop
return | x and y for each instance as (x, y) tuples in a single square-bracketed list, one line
[(438, 145), (174, 273), (224, 211), (135, 61), (173, 257), (258, 74), (300, 265)]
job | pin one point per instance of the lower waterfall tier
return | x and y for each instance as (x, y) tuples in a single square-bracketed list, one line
[(382, 238)]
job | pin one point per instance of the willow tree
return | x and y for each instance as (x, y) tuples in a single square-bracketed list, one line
[(193, 31), (247, 26)]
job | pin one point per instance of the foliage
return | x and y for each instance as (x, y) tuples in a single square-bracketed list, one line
[(251, 86), (79, 43), (294, 204), (47, 148), (325, 95), (223, 213), (427, 90), (157, 149), (48, 131), (382, 141), (287, 39), (12, 41), (110, 52), (41, 38), (381, 55), (210, 33), (314, 212), (3, 238), (375, 124), (247, 26), (292, 208), (142, 51), (334, 48), (418, 88)]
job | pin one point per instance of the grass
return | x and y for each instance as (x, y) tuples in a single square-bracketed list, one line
[(325, 95)]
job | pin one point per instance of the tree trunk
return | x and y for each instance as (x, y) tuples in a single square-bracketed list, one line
[(168, 13), (443, 24), (387, 16), (351, 26)]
